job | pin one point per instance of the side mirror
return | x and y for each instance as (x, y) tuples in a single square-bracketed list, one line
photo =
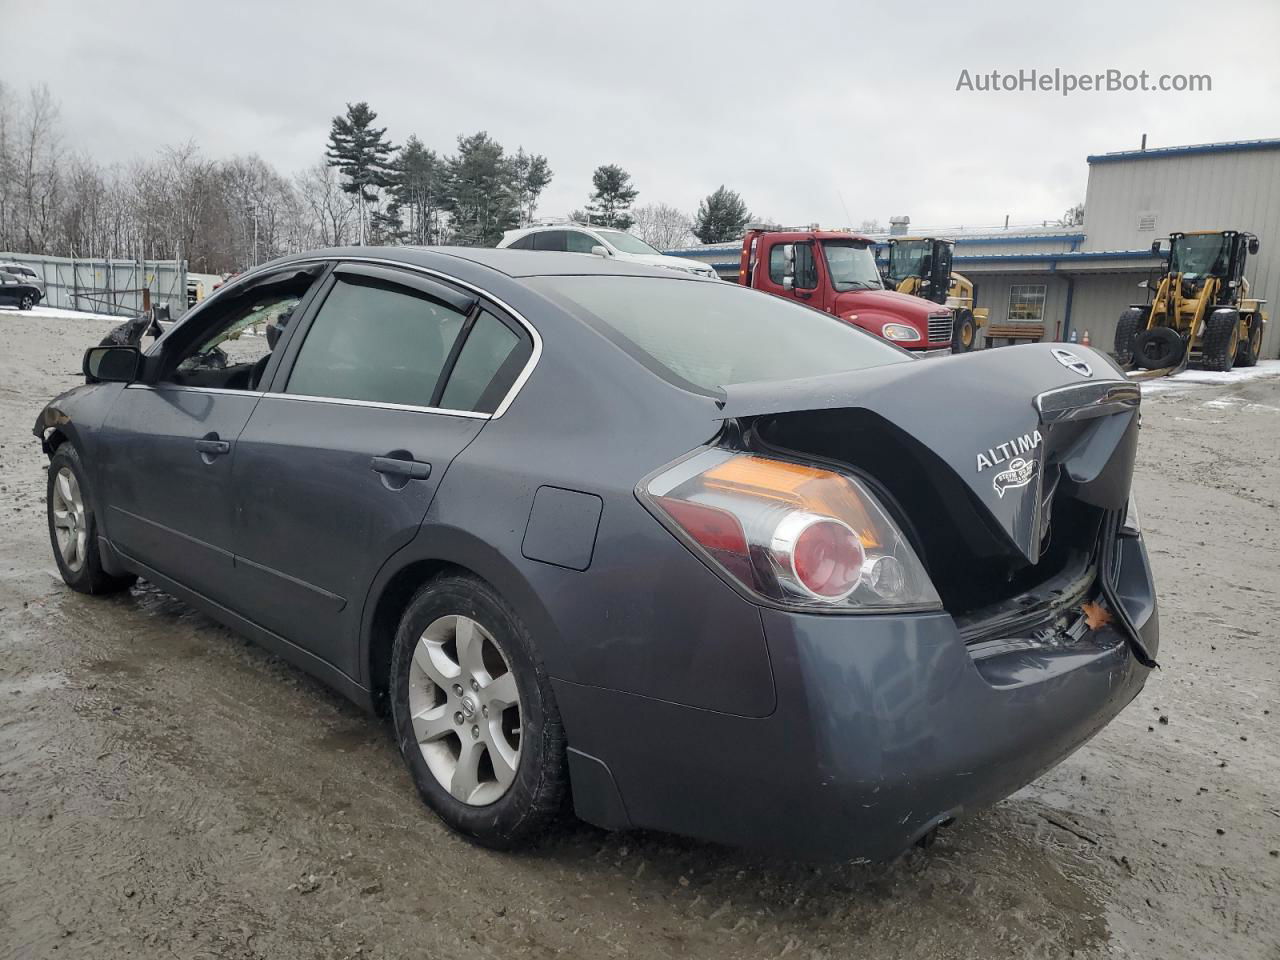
[(1253, 246), (599, 251), (1155, 248), (788, 266), (112, 364)]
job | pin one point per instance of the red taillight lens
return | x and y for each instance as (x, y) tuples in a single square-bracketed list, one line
[(716, 531), (794, 533), (826, 558)]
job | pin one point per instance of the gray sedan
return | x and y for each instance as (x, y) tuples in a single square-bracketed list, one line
[(673, 553)]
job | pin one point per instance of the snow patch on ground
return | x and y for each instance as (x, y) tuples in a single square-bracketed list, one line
[(58, 313), (1264, 368)]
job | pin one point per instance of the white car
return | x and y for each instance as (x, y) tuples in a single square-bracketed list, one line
[(602, 242)]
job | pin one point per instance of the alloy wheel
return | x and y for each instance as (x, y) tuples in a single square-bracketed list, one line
[(465, 710), (69, 522)]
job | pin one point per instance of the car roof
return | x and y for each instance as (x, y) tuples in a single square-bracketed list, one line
[(511, 263)]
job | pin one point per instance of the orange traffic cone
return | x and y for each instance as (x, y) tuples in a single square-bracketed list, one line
[(1085, 341)]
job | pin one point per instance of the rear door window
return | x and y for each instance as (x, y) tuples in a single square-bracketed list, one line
[(488, 364), (550, 240), (375, 341), (524, 243)]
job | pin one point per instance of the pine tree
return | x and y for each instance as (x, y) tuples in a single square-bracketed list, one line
[(722, 216), (362, 153), (610, 204), (482, 198), (530, 174), (419, 185)]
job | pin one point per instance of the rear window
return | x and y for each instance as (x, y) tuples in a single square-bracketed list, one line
[(712, 335)]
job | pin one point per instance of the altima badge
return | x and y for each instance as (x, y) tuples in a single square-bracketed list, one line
[(1072, 362), (1020, 473)]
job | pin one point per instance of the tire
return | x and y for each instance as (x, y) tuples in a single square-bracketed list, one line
[(964, 336), (27, 302), (1126, 331), (1221, 340), (457, 630), (1250, 347), (1158, 348), (73, 527)]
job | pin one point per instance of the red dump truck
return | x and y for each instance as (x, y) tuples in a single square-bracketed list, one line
[(837, 272)]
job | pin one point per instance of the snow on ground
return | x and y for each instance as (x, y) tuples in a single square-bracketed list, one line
[(59, 313), (1265, 368)]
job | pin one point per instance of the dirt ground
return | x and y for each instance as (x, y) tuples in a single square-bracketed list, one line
[(167, 790)]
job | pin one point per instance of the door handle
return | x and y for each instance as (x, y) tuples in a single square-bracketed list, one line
[(213, 447), (803, 296), (395, 467)]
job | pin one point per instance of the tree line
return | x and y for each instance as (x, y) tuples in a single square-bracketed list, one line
[(224, 215)]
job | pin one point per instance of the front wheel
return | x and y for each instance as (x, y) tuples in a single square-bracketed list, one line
[(73, 527), (474, 714), (965, 333), (1221, 340), (27, 302)]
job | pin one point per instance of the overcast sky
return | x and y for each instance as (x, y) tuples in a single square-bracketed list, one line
[(807, 109)]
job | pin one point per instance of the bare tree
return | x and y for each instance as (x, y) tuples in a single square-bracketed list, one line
[(662, 226), (38, 169), (330, 209)]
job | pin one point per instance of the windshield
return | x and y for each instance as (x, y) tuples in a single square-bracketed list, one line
[(711, 335), (1200, 255), (853, 266), (626, 242), (905, 258)]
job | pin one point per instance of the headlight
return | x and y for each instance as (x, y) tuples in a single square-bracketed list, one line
[(899, 331), (797, 535)]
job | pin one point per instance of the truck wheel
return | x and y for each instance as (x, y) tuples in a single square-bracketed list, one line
[(1221, 340), (1251, 346), (1126, 331), (965, 334), (1157, 348)]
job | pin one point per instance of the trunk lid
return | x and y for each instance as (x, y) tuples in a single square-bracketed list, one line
[(977, 447)]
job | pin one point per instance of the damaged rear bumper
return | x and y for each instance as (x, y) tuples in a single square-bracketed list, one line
[(885, 727)]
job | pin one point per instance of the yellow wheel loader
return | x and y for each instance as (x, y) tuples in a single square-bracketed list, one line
[(921, 267), (1200, 311)]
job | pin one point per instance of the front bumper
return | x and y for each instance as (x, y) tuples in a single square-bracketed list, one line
[(885, 727)]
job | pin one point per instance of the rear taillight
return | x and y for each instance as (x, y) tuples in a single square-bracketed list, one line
[(792, 533)]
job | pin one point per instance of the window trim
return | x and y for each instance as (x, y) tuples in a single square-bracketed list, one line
[(496, 305), (1044, 302)]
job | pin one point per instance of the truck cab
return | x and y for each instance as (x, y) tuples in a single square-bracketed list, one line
[(836, 272)]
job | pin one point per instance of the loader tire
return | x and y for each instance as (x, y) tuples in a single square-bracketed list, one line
[(1126, 330), (1158, 348), (1251, 346), (965, 334), (1221, 340)]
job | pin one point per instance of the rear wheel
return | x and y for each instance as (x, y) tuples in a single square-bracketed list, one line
[(1251, 346), (73, 528), (1221, 340), (1126, 331), (474, 714), (1158, 348), (965, 333)]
